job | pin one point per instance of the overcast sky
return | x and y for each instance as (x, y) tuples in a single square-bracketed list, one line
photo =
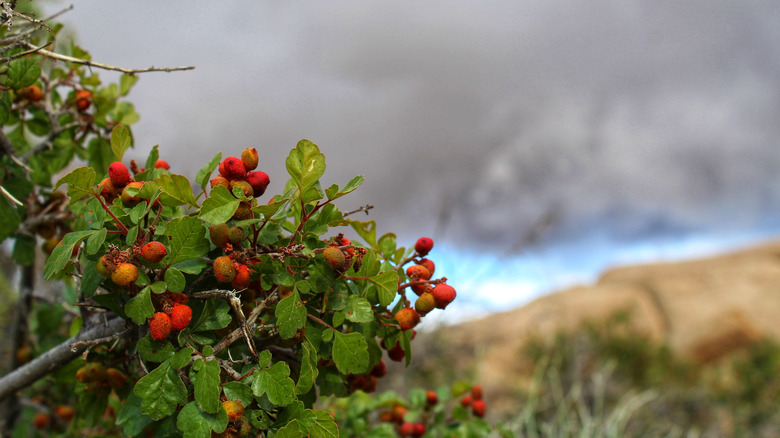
[(475, 120)]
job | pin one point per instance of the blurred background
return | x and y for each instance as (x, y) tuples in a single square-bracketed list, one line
[(537, 142)]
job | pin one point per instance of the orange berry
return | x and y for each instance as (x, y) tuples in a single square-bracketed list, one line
[(116, 378), (153, 252), (419, 272), (128, 199), (242, 278), (41, 420), (249, 158), (83, 100), (234, 409), (125, 274), (443, 294), (160, 326), (65, 412), (408, 318), (181, 314), (224, 269)]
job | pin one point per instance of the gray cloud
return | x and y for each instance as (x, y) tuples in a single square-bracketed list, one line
[(471, 121)]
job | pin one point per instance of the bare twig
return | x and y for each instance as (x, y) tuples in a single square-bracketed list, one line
[(363, 208), (130, 71)]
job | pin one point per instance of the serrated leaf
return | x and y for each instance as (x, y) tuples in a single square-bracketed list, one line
[(366, 230), (219, 207), (176, 190), (238, 391), (194, 423), (162, 391), (276, 383), (308, 368), (120, 140), (358, 310), (204, 174), (140, 307), (351, 186), (95, 241), (350, 352), (290, 315), (206, 382), (63, 252), (188, 239), (23, 72), (305, 164), (79, 181), (154, 351), (215, 316), (175, 280), (387, 286), (130, 417), (324, 426)]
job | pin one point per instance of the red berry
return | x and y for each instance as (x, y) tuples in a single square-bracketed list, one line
[(119, 174), (423, 245), (82, 100), (162, 164), (431, 398), (428, 263), (160, 326), (419, 430), (407, 318), (379, 369), (181, 314), (41, 420), (443, 294), (242, 278), (153, 252), (232, 168), (478, 408), (466, 401), (396, 353), (419, 272), (259, 182), (407, 429), (476, 392)]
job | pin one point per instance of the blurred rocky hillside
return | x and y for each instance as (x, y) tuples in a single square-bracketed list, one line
[(704, 310)]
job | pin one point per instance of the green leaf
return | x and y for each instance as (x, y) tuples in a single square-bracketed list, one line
[(387, 285), (290, 315), (131, 418), (24, 250), (79, 181), (63, 252), (366, 230), (219, 207), (154, 351), (293, 429), (359, 309), (126, 82), (215, 316), (162, 391), (187, 239), (23, 72), (305, 164), (350, 352), (95, 241), (238, 391), (120, 140), (324, 426), (151, 160), (5, 109), (176, 189), (140, 307), (9, 219), (175, 280), (308, 368), (194, 423), (204, 174), (206, 382), (276, 383), (351, 186)]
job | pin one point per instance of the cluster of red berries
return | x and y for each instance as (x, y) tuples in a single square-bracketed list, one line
[(431, 294), (100, 381), (162, 323), (63, 413), (240, 172), (474, 399), (404, 428), (119, 180), (121, 266)]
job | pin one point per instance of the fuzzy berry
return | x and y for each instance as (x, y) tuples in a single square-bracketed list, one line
[(219, 234), (396, 353), (119, 174), (466, 401), (425, 303), (41, 420), (259, 182), (249, 158), (108, 191), (224, 269), (162, 164), (243, 277), (423, 245), (443, 294), (160, 326), (116, 379), (428, 263), (244, 186), (476, 392), (131, 200), (153, 252), (232, 168), (419, 272), (125, 274), (335, 258), (408, 318), (181, 314), (220, 180), (65, 412), (234, 409)]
